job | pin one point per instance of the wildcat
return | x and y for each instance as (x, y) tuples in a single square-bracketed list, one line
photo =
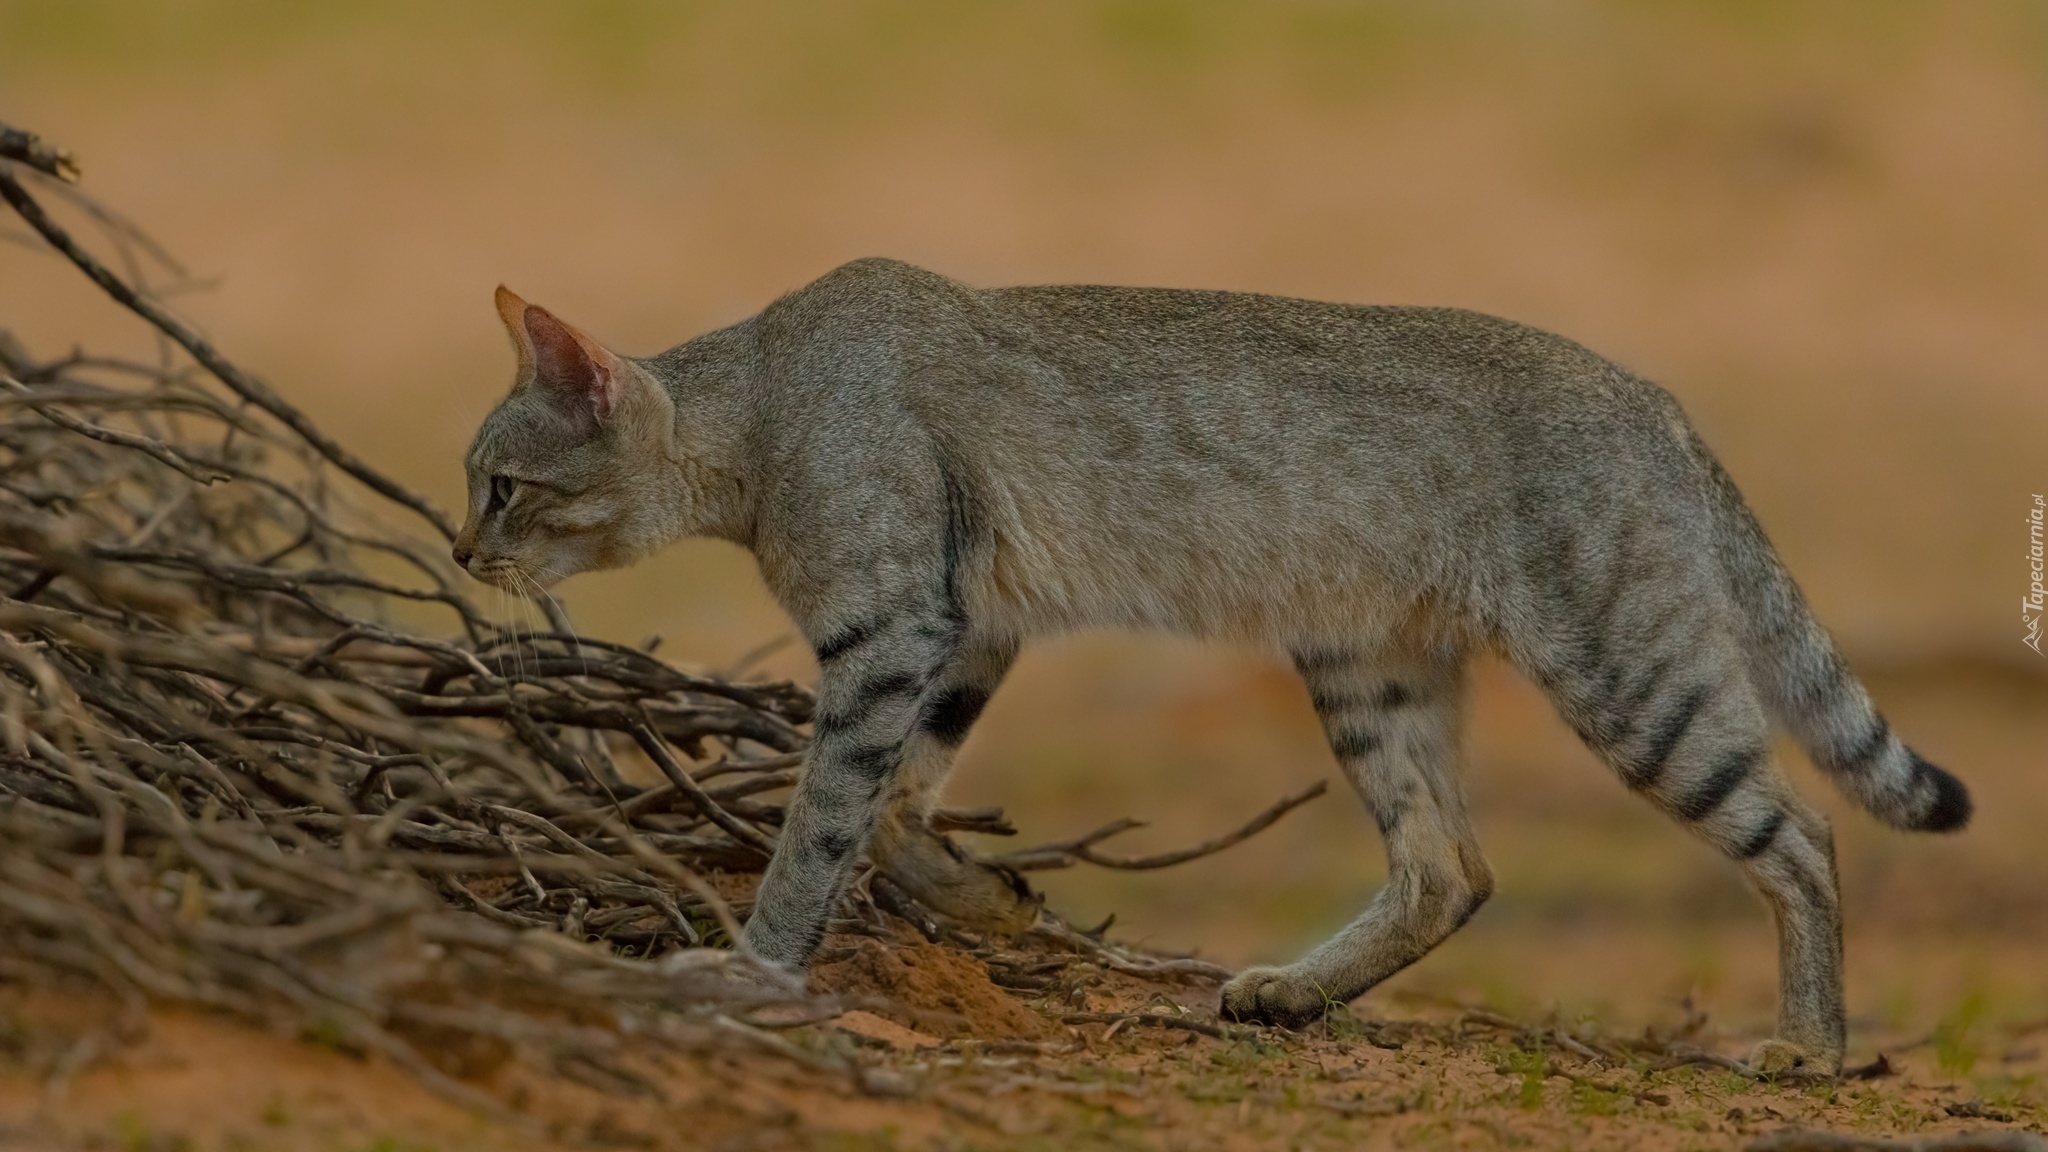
[(930, 473)]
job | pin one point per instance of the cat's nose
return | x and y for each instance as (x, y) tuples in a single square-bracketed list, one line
[(462, 556)]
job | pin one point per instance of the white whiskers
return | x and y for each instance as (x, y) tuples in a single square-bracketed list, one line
[(562, 612)]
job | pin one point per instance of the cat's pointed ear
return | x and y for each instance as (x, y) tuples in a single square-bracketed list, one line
[(512, 310), (579, 374)]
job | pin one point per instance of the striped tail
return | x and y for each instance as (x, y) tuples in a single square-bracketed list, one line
[(1809, 690)]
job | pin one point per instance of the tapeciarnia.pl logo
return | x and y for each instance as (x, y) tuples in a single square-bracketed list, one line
[(2037, 597)]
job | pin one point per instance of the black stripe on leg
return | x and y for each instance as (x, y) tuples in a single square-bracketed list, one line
[(1621, 714), (843, 641), (832, 844), (1664, 740), (1394, 695), (952, 712), (1331, 701), (1727, 775), (1354, 745), (873, 761), (891, 684), (867, 695), (1761, 839)]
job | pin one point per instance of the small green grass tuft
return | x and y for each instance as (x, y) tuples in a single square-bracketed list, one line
[(133, 1134), (2010, 1093), (1531, 1065), (1216, 1090), (328, 1032), (1956, 1045), (1593, 1100)]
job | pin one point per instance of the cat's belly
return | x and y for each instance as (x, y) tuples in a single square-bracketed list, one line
[(1277, 586)]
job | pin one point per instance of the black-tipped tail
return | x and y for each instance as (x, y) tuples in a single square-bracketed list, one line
[(1951, 808), (1808, 688)]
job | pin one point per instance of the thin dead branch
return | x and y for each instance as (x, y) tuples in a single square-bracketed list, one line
[(28, 148), (1082, 850)]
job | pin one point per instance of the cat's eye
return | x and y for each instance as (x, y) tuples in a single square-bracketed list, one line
[(501, 492)]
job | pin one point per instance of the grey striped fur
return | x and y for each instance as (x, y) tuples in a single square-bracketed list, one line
[(931, 474)]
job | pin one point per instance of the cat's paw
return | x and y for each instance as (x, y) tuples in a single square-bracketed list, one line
[(948, 880), (1777, 1057), (1280, 996)]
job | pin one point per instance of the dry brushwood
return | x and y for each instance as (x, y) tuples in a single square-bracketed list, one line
[(260, 750)]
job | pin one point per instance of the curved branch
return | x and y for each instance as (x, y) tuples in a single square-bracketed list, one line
[(241, 383), (1082, 849)]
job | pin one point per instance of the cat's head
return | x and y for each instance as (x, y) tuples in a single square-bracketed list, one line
[(575, 470)]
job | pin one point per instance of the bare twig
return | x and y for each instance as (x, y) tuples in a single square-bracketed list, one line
[(29, 149), (1082, 850), (1212, 1028)]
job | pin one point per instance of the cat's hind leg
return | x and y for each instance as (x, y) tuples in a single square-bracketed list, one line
[(1676, 716), (1393, 721)]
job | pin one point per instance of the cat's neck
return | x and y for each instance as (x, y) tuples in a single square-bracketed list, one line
[(710, 381)]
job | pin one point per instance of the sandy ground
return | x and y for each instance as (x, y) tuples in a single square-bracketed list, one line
[(1086, 1059)]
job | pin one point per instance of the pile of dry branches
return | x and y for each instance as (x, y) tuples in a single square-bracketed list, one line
[(259, 750)]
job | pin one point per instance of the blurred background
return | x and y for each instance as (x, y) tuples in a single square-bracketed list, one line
[(1824, 226)]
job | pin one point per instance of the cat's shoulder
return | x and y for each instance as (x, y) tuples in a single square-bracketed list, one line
[(865, 301), (877, 279)]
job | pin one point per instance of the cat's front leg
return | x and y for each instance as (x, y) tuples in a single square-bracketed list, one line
[(875, 681)]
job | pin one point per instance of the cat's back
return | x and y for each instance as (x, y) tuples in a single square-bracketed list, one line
[(1243, 386), (886, 321), (1255, 342)]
